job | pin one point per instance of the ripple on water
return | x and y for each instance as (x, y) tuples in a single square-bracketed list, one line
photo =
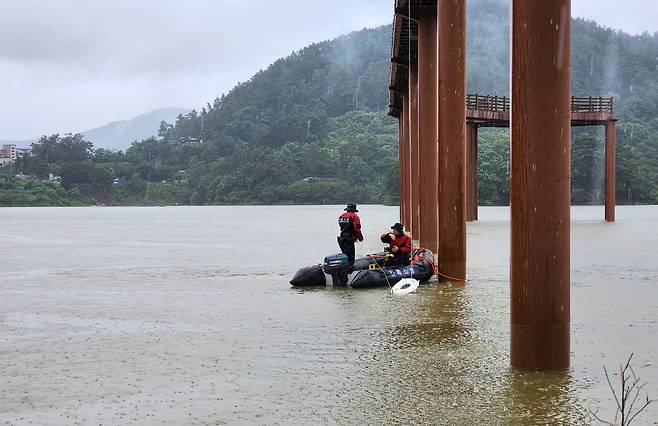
[(180, 329)]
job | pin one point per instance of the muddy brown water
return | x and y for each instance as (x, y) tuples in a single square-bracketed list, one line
[(184, 315)]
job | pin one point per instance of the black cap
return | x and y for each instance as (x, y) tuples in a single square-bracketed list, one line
[(351, 208), (398, 226)]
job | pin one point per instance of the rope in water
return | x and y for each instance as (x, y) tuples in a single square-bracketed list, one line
[(435, 268), (459, 280), (380, 268)]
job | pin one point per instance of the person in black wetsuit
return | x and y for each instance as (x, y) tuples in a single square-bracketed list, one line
[(350, 231)]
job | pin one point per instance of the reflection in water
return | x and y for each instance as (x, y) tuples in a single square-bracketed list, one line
[(435, 362), (440, 357), (438, 319), (530, 398), (418, 366)]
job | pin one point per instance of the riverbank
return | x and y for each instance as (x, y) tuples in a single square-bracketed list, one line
[(34, 193), (31, 193)]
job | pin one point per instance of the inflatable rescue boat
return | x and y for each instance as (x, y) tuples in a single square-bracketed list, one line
[(369, 271)]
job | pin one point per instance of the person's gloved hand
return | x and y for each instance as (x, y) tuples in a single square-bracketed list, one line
[(394, 249)]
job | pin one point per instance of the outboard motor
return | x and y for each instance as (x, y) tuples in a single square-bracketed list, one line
[(338, 267)]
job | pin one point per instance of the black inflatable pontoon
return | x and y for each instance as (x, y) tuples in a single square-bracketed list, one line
[(421, 268), (367, 271), (317, 275)]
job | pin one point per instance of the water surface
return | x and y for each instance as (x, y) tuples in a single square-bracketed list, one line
[(184, 315)]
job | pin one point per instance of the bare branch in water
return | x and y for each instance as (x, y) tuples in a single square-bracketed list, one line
[(630, 388)]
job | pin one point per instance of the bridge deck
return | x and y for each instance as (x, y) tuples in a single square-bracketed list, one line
[(494, 111)]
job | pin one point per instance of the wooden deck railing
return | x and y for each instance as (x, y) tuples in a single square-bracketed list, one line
[(591, 104), (487, 103), (479, 102)]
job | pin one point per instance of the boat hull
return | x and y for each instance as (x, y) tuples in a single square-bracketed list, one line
[(369, 272), (421, 270)]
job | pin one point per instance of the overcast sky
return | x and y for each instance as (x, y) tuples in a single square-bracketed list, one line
[(71, 65)]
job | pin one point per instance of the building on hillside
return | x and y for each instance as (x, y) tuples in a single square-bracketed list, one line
[(21, 176), (53, 179), (8, 152)]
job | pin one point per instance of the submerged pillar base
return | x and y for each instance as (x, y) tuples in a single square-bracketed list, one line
[(540, 346), (451, 271)]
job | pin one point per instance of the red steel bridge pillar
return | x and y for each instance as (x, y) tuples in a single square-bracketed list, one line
[(610, 149), (403, 169), (414, 150), (540, 184), (402, 166), (452, 138), (471, 172), (427, 105)]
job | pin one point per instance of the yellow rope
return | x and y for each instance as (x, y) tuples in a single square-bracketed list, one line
[(380, 268)]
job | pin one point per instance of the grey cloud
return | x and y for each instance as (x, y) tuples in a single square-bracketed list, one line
[(69, 65), (126, 36)]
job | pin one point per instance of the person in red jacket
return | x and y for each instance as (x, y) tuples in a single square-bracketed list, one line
[(350, 231), (399, 245)]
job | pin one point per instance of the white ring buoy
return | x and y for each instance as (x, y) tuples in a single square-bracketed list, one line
[(405, 286)]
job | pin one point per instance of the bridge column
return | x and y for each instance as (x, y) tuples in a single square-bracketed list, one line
[(401, 179), (610, 150), (471, 172), (452, 137), (414, 160), (540, 184), (427, 105), (405, 184)]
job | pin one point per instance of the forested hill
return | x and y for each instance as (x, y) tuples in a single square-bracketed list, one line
[(296, 96), (323, 108), (312, 128)]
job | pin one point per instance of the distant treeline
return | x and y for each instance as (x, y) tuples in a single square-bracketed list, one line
[(313, 128)]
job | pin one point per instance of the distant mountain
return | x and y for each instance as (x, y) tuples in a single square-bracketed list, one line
[(120, 134)]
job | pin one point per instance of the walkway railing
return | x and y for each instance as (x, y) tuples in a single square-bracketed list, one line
[(487, 103), (591, 104), (502, 104)]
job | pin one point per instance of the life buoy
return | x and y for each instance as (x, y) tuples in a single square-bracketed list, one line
[(405, 286)]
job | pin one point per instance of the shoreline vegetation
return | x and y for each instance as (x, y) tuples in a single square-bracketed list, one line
[(313, 129), (32, 193)]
